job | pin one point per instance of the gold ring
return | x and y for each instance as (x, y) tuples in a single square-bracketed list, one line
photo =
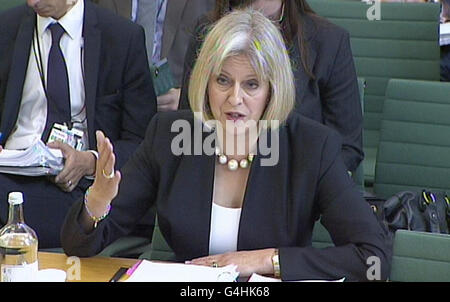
[(214, 264), (108, 176)]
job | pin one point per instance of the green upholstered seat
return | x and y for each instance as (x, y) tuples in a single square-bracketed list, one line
[(403, 44), (127, 247), (414, 150), (420, 257), (7, 4), (320, 236), (159, 248)]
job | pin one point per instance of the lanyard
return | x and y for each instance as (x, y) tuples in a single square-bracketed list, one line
[(40, 67)]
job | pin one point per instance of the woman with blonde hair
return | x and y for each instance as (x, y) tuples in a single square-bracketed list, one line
[(322, 62), (229, 207)]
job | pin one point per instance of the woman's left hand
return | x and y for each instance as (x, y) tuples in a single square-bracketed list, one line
[(248, 262)]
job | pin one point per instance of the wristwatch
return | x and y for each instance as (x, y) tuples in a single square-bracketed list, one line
[(276, 264)]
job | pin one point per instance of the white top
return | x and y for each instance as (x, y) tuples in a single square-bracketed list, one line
[(33, 107), (223, 235)]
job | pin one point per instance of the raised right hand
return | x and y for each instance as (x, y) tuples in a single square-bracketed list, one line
[(106, 183)]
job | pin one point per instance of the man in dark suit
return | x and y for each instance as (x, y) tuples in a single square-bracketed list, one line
[(95, 78), (178, 25)]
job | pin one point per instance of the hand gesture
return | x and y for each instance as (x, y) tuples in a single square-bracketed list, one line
[(106, 183)]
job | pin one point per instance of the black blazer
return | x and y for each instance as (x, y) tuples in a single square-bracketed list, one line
[(332, 98), (120, 99), (281, 203)]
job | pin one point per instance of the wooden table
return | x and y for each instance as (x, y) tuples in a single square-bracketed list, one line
[(93, 269)]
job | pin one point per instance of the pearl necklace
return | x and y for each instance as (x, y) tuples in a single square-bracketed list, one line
[(233, 164)]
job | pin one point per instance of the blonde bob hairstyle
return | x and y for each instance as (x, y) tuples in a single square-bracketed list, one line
[(245, 32)]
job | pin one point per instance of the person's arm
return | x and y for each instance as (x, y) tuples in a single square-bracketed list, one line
[(356, 233), (135, 195), (170, 100), (341, 104)]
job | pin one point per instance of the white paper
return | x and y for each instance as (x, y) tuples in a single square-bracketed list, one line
[(258, 278), (51, 275), (149, 271), (35, 161)]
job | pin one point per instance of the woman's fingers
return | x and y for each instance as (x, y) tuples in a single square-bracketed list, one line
[(108, 167), (106, 156), (207, 261)]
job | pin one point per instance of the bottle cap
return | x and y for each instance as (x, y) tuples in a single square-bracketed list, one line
[(15, 198)]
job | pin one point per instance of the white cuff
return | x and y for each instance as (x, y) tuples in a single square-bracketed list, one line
[(92, 177)]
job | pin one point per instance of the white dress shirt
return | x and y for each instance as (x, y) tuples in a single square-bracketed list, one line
[(33, 107)]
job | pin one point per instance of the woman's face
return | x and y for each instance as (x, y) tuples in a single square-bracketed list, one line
[(236, 95), (269, 8)]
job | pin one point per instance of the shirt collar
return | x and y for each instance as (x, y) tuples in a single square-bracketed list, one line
[(72, 21)]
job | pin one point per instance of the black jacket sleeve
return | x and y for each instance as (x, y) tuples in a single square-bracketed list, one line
[(356, 233)]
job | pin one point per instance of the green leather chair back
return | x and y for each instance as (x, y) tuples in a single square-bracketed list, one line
[(7, 4), (420, 257), (159, 248), (403, 44), (127, 247), (414, 151), (320, 236)]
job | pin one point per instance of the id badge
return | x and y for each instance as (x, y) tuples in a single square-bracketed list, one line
[(72, 137)]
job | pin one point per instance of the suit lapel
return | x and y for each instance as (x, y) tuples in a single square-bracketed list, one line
[(196, 178), (91, 52), (17, 72), (175, 10), (264, 210)]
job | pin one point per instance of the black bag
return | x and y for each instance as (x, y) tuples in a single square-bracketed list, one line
[(425, 211)]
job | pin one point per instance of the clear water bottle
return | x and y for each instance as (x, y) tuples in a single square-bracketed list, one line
[(18, 245)]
